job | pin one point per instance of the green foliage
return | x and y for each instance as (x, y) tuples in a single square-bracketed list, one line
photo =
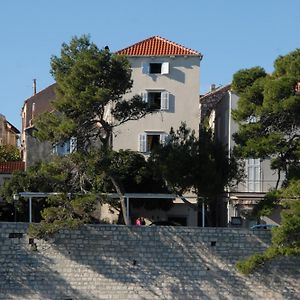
[(191, 164), (132, 173), (288, 65), (90, 82), (268, 114), (53, 176), (250, 263), (286, 237), (267, 205), (64, 212), (253, 262), (288, 234), (9, 153), (89, 104), (243, 79), (43, 229)]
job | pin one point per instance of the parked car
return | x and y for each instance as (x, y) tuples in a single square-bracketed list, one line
[(263, 226)]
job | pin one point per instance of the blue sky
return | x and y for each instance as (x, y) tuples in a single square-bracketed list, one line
[(231, 34)]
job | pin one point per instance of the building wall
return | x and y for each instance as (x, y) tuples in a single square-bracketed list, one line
[(8, 135), (34, 150), (140, 262), (178, 210), (182, 83), (224, 131)]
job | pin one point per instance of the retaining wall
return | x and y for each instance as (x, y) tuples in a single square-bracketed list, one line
[(120, 262)]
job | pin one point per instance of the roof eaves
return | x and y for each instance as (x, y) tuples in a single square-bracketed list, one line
[(216, 91)]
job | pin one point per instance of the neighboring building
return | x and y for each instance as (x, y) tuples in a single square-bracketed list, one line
[(34, 150), (9, 134), (6, 172), (8, 168), (216, 107)]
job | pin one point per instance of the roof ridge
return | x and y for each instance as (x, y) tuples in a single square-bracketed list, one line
[(157, 46), (176, 44)]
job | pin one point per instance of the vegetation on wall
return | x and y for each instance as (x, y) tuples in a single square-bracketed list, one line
[(9, 153)]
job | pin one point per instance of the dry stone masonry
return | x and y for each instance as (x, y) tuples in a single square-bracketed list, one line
[(139, 262)]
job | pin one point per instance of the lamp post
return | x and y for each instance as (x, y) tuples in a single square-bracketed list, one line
[(16, 197)]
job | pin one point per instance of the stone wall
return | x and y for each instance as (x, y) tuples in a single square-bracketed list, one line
[(119, 262)]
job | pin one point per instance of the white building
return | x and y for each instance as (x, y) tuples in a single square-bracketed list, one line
[(167, 76)]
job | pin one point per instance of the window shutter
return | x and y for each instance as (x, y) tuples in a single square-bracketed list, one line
[(165, 68), (253, 174), (257, 182), (142, 143), (163, 138), (250, 179), (144, 96), (73, 144), (54, 149), (164, 102), (145, 68)]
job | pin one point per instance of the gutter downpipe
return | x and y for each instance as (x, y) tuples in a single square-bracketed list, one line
[(229, 152), (30, 210), (127, 210)]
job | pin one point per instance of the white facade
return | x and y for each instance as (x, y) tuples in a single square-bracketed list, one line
[(175, 94)]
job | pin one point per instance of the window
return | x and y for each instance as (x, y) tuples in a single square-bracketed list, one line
[(154, 100), (253, 175), (149, 140), (65, 148), (157, 99), (155, 68)]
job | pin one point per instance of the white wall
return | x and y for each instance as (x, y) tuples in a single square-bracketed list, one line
[(182, 83)]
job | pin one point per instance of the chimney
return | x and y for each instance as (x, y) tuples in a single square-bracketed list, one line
[(34, 86), (212, 87)]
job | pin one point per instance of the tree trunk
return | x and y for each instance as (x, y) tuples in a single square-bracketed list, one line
[(278, 179), (121, 193)]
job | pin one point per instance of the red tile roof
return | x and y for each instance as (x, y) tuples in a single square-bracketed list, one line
[(11, 166), (157, 46)]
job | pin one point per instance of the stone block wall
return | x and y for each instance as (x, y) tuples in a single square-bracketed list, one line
[(147, 262)]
